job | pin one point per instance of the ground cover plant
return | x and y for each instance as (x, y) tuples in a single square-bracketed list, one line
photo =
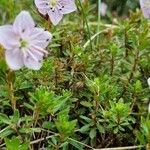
[(74, 75)]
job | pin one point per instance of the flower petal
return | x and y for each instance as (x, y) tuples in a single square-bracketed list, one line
[(43, 6), (148, 81), (103, 9), (145, 8), (41, 38), (55, 16), (68, 6), (14, 59), (8, 39), (23, 23), (33, 63)]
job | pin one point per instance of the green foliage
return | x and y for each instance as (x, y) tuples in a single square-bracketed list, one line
[(47, 102), (93, 96), (119, 117), (143, 135), (63, 125), (103, 88), (14, 144)]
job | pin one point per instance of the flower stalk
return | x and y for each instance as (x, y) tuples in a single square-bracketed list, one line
[(11, 9), (99, 19), (112, 64), (87, 25), (11, 89), (136, 60)]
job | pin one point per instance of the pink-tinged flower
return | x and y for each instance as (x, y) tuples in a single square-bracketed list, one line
[(148, 81), (24, 43), (145, 6), (103, 9), (149, 108), (55, 9)]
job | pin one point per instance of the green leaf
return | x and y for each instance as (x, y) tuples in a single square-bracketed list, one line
[(86, 118), (84, 129), (5, 119), (138, 86), (93, 133), (101, 128), (15, 144), (116, 130), (48, 125), (16, 117), (65, 146), (6, 132), (30, 130), (86, 104), (76, 144)]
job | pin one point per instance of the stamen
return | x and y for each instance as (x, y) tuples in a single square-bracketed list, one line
[(23, 43)]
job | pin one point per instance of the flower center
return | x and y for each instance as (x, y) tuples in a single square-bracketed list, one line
[(53, 3), (23, 43)]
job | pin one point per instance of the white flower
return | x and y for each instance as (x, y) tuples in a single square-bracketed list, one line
[(24, 42), (149, 108), (148, 81), (55, 9), (103, 9), (145, 6)]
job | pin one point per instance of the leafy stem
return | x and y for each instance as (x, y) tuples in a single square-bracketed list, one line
[(112, 61), (136, 59), (11, 8), (99, 19), (10, 75), (86, 22)]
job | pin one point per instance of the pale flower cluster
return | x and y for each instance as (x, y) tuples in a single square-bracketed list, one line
[(24, 43)]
